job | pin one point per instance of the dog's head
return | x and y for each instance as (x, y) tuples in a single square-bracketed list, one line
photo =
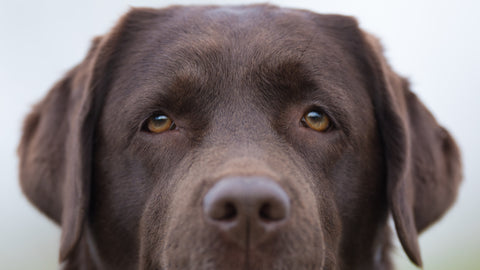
[(232, 138)]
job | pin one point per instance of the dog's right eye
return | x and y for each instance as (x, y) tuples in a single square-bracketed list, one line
[(159, 123), (317, 121)]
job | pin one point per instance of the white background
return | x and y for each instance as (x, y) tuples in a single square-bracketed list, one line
[(434, 43)]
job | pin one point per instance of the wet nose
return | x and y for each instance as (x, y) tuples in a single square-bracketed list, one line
[(247, 210)]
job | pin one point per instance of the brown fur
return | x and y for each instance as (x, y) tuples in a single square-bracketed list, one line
[(236, 81)]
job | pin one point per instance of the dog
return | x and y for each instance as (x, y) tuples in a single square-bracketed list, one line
[(238, 137)]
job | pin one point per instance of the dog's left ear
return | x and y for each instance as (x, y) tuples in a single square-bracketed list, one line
[(423, 161), (423, 167)]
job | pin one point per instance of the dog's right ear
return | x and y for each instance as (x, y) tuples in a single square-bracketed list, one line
[(56, 148), (55, 151)]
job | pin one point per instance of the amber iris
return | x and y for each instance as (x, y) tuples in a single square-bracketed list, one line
[(160, 123), (316, 120)]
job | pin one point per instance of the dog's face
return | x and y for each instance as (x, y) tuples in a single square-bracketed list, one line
[(236, 138)]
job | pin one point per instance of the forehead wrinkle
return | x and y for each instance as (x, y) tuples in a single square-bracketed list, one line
[(198, 67)]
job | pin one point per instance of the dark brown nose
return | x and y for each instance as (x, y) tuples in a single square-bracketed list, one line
[(247, 210)]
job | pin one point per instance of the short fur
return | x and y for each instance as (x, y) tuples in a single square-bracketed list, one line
[(236, 81)]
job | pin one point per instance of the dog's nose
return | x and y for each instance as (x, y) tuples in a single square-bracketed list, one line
[(246, 209)]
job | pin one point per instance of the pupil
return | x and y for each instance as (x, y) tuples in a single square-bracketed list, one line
[(314, 116), (160, 120)]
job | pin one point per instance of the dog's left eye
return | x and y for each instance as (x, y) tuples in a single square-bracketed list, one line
[(316, 120), (159, 123)]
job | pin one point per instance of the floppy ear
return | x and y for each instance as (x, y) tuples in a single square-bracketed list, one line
[(55, 152), (56, 148), (423, 161)]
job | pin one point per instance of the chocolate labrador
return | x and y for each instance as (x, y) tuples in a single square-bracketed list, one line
[(250, 137)]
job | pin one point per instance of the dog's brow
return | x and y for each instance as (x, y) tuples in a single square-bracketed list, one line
[(284, 79), (294, 82), (182, 92)]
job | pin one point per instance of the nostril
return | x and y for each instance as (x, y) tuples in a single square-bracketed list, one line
[(270, 212), (229, 212), (221, 210), (265, 212)]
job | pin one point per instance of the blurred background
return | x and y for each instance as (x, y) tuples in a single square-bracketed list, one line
[(435, 43)]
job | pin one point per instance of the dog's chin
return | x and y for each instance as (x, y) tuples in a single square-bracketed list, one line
[(237, 259)]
